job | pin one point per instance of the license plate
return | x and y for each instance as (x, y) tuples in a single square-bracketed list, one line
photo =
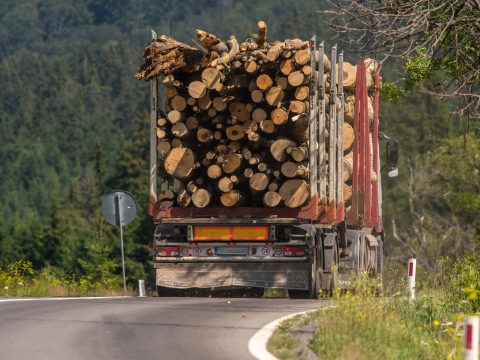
[(230, 233), (231, 251)]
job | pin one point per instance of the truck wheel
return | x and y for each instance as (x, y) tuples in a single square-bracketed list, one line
[(329, 269)]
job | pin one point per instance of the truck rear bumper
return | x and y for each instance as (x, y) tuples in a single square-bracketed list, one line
[(208, 275)]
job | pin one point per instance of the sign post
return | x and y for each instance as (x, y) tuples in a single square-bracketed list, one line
[(119, 209), (412, 269), (470, 338)]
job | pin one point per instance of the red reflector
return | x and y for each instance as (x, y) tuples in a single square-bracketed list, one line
[(469, 337), (294, 251), (168, 251), (410, 269)]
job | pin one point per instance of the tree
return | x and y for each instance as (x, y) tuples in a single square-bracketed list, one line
[(429, 36)]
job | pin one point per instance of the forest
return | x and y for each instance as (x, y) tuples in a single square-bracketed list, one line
[(74, 125)]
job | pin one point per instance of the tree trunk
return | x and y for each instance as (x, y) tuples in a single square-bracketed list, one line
[(258, 182), (201, 198), (274, 96), (279, 116), (348, 136), (271, 199), (279, 148), (231, 164), (231, 198)]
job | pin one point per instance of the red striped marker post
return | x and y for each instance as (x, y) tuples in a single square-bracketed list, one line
[(412, 269), (470, 337)]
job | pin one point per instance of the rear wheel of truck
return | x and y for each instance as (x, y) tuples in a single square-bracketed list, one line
[(329, 264)]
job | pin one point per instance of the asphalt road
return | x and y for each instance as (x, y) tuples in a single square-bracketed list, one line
[(137, 328)]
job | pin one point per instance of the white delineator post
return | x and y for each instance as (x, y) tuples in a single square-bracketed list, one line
[(141, 288), (470, 336), (412, 269)]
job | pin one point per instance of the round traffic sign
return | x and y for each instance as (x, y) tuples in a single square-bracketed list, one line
[(119, 207)]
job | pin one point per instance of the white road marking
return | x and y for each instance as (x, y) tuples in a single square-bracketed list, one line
[(258, 343), (64, 298)]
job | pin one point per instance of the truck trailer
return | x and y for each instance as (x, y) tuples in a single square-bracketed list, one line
[(320, 245)]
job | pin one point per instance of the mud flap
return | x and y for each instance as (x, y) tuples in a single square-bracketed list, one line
[(212, 275)]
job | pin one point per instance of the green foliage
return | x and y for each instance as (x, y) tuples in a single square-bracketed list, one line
[(365, 325), (391, 91), (417, 69), (20, 279)]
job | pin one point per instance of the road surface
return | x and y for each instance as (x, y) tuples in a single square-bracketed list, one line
[(137, 328)]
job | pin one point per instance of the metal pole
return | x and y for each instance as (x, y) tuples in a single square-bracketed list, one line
[(123, 258), (120, 223)]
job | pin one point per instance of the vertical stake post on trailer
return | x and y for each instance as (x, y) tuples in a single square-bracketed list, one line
[(313, 121), (153, 136), (332, 128), (470, 338), (412, 270), (322, 161)]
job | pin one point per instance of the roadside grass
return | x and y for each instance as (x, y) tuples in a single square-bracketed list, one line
[(375, 322), (20, 279)]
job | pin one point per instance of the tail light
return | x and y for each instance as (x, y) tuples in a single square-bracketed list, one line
[(294, 251), (168, 251)]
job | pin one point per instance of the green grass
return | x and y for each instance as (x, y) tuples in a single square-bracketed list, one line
[(368, 324), (20, 279)]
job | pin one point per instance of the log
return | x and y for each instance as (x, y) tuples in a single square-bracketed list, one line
[(273, 186), (211, 42), (298, 107), (170, 91), (296, 44), (231, 198), (349, 75), (282, 82), (248, 173), (225, 184), (348, 136), (262, 167), (184, 198), (349, 111), (258, 182), (211, 77), (294, 192), (234, 49), (214, 171), (178, 103), (179, 130), (279, 116), (279, 147), (298, 153), (219, 104), (301, 93), (176, 143), (301, 57), (160, 133), (180, 163), (251, 66), (250, 126), (257, 96), (163, 147), (191, 187), (271, 199), (239, 111), (264, 81), (274, 96), (246, 153), (290, 169), (286, 53), (231, 163), (267, 126), (201, 198), (262, 33), (259, 115), (298, 127), (191, 101), (204, 102), (274, 51), (296, 78), (235, 132), (191, 123), (165, 198), (212, 112), (197, 89), (286, 67), (307, 70), (161, 121), (348, 167), (174, 116), (165, 55)]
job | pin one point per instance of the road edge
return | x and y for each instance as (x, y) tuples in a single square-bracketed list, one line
[(257, 346), (63, 298)]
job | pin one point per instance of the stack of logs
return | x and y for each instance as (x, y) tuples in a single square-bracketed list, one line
[(235, 127)]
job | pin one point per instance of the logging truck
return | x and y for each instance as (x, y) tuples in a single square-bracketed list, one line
[(245, 200)]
